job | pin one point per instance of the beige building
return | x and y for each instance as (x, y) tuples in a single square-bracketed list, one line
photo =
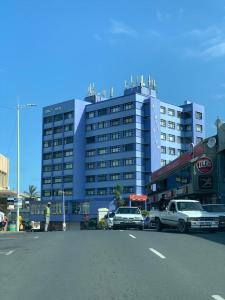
[(5, 193)]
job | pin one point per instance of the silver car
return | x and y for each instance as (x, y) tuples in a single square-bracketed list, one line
[(217, 210)]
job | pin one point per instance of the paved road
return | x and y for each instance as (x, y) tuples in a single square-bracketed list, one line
[(117, 265)]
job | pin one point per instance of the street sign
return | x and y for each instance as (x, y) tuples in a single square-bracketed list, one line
[(204, 165)]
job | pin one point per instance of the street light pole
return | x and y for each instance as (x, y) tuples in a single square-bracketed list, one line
[(64, 215), (18, 107)]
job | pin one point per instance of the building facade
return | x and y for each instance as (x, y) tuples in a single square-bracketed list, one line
[(89, 146), (198, 174)]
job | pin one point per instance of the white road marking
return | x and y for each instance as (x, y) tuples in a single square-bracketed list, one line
[(131, 235), (217, 297), (157, 253), (6, 238), (121, 230), (7, 252), (36, 237)]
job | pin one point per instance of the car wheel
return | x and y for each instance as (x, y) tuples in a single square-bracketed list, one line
[(158, 224), (141, 227), (182, 226)]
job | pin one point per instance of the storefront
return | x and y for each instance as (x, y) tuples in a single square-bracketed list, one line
[(198, 174)]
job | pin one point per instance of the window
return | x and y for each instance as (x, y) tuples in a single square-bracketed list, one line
[(162, 109), (163, 149), (90, 139), (47, 144), (129, 133), (114, 163), (47, 132), (188, 127), (90, 153), (57, 142), (68, 127), (179, 114), (81, 207), (68, 192), (115, 109), (57, 180), (199, 128), (115, 122), (57, 154), (163, 123), (180, 127), (102, 151), (68, 115), (68, 153), (102, 177), (173, 207), (199, 139), (90, 192), (47, 120), (128, 106), (172, 151), (128, 120), (178, 152), (57, 167), (90, 178), (102, 164), (46, 181), (89, 127), (115, 176), (58, 117), (102, 191), (129, 147), (102, 112), (179, 139), (128, 189), (115, 149), (102, 124), (198, 115), (171, 125), (128, 175), (163, 162), (171, 137), (47, 168), (57, 193), (68, 140), (129, 161), (163, 136), (58, 129), (68, 166), (171, 112), (115, 135), (46, 193), (47, 156), (90, 114), (102, 138)]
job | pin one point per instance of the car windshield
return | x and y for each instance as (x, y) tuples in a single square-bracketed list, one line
[(128, 210), (189, 206), (214, 208)]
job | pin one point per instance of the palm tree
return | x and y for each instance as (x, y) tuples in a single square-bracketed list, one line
[(117, 193), (32, 192)]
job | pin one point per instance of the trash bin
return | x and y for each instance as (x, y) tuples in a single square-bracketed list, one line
[(12, 226)]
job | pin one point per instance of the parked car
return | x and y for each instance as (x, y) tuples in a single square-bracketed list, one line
[(217, 210), (109, 219), (128, 217)]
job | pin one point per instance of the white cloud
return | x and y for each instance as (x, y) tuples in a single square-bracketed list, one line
[(215, 51), (118, 28)]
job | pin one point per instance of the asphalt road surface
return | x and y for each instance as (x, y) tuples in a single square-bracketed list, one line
[(117, 265)]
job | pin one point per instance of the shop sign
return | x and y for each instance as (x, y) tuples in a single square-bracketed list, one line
[(135, 197), (204, 165), (205, 182)]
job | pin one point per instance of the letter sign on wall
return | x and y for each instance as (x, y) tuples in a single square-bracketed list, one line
[(204, 165)]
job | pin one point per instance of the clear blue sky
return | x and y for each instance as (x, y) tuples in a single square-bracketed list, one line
[(51, 49)]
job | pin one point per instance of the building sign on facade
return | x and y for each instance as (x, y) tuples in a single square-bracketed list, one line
[(204, 165), (205, 182), (135, 197)]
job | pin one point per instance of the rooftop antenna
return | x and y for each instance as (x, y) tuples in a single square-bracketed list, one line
[(104, 93), (142, 81), (125, 84), (149, 81), (137, 81), (131, 81), (111, 92)]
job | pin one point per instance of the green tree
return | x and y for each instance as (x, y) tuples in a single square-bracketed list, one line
[(117, 193), (32, 192)]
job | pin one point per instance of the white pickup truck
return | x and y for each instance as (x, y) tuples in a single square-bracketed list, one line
[(128, 217), (185, 215)]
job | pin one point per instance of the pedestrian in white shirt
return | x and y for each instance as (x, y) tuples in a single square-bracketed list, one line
[(2, 215)]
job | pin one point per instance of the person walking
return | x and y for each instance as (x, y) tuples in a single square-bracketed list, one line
[(47, 213), (5, 223), (2, 215)]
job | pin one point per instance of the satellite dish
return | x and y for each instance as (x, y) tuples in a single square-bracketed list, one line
[(211, 142)]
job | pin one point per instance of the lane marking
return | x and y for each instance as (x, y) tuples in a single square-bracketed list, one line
[(7, 253), (131, 235), (217, 297), (6, 238), (157, 253), (36, 237), (121, 230)]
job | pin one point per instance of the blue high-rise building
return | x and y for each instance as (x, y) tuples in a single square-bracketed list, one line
[(89, 146)]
